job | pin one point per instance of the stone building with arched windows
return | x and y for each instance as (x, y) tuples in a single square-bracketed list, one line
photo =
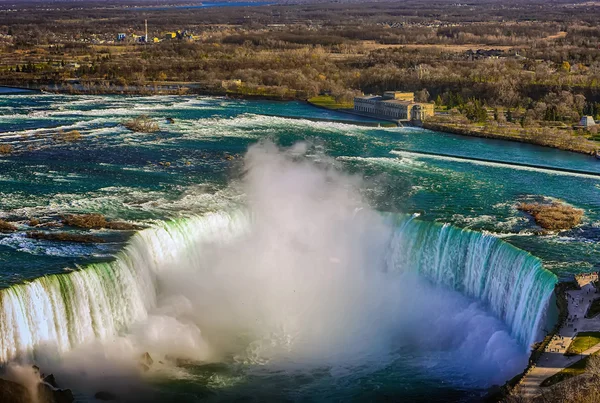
[(393, 105)]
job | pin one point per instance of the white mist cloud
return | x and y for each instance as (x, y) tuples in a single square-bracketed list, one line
[(307, 284), (301, 281)]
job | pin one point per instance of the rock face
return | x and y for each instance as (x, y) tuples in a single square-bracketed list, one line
[(50, 381), (13, 392), (48, 394), (105, 396), (46, 390), (146, 359)]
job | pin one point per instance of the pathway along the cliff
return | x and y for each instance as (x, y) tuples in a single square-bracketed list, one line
[(553, 360)]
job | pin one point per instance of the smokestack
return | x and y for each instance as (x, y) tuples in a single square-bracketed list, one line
[(146, 25)]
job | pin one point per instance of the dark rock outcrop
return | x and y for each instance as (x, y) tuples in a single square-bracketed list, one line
[(48, 394), (50, 380), (106, 396), (146, 359), (13, 392)]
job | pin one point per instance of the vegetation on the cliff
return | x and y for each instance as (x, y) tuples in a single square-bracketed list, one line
[(563, 138)]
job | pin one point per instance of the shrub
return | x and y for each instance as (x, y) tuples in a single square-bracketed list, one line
[(5, 226), (73, 135), (6, 149), (554, 216), (142, 124)]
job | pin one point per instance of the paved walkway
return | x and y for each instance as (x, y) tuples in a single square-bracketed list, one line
[(553, 359)]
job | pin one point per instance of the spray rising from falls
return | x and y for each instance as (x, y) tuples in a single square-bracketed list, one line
[(510, 281), (305, 275)]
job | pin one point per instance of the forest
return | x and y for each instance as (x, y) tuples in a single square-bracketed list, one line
[(534, 63)]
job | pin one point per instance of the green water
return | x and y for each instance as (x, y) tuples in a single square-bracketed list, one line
[(124, 175), (118, 173)]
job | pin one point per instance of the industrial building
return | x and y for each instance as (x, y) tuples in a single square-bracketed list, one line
[(394, 105)]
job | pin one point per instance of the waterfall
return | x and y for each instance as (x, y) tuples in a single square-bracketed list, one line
[(101, 300), (510, 281)]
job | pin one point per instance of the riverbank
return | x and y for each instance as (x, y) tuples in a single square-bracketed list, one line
[(546, 137), (16, 90)]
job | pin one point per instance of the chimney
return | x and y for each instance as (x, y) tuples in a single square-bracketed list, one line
[(146, 25)]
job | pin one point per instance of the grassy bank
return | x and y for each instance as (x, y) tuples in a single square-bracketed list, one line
[(561, 139), (329, 102), (582, 342), (571, 371)]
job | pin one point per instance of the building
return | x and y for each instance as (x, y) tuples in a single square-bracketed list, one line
[(231, 84), (121, 36), (394, 105), (587, 121)]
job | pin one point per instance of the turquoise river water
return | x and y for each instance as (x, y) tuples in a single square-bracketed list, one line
[(447, 227)]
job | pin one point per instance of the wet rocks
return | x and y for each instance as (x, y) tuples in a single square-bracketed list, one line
[(13, 392), (65, 237), (145, 362), (47, 391), (96, 221), (105, 396)]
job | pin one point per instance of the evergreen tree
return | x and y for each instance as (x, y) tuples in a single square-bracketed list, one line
[(438, 101)]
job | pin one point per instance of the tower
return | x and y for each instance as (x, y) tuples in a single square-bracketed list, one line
[(146, 26)]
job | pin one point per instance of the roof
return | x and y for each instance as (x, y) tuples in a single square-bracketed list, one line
[(385, 100), (370, 97), (587, 121)]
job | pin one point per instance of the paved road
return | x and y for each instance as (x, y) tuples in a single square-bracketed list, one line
[(553, 359)]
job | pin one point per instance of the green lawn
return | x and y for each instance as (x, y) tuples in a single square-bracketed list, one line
[(329, 102), (594, 309), (576, 369), (582, 342)]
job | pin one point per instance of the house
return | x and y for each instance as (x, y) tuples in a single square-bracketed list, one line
[(587, 121), (229, 84), (394, 105)]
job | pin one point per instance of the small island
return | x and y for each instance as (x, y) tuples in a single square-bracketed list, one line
[(553, 216)]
